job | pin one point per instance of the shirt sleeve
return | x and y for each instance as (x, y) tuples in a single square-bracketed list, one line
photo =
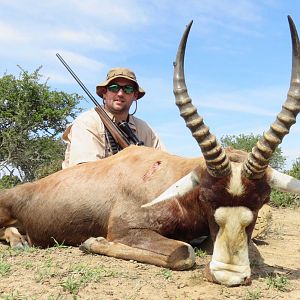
[(146, 134), (85, 140)]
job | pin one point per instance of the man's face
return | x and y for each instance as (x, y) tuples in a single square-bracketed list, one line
[(118, 102)]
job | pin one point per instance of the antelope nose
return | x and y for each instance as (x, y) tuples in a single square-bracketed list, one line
[(230, 280)]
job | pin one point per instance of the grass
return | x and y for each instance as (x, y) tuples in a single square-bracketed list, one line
[(59, 297), (278, 282), (46, 271), (14, 296), (92, 274), (166, 273), (200, 253), (18, 296), (12, 252), (27, 264), (72, 285), (281, 199), (5, 267), (57, 245), (82, 275), (253, 294)]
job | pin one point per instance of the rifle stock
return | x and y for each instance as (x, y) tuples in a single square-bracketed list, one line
[(108, 123), (112, 128)]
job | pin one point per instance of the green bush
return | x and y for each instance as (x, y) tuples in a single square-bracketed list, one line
[(8, 181), (281, 199)]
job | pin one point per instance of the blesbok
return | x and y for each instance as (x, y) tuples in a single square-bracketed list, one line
[(146, 205)]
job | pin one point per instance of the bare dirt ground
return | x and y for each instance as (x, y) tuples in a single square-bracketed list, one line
[(67, 273)]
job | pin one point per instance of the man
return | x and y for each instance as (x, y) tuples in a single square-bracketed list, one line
[(88, 140)]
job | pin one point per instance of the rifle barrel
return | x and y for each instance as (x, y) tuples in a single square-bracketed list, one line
[(78, 80)]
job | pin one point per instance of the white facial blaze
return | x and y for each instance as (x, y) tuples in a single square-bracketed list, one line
[(235, 186), (230, 261)]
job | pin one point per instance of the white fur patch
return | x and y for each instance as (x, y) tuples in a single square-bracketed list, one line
[(235, 187), (233, 217), (229, 274), (230, 262)]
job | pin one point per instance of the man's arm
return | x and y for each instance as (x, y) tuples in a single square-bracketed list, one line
[(85, 140)]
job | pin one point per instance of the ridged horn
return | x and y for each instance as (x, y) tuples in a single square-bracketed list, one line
[(258, 160), (216, 159)]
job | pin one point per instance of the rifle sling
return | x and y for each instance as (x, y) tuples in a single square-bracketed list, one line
[(113, 146)]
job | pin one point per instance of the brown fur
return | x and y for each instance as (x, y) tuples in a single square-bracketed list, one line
[(74, 204), (104, 198)]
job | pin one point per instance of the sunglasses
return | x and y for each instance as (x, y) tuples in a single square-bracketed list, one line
[(127, 89)]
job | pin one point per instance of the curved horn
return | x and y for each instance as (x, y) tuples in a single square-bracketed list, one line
[(284, 182), (178, 189), (258, 160), (215, 157)]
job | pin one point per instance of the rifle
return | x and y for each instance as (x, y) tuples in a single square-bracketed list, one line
[(116, 132)]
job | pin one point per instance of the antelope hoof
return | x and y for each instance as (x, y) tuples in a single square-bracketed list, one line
[(19, 243), (87, 245)]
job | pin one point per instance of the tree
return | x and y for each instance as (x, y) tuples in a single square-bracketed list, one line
[(295, 170), (247, 142), (32, 118), (8, 181), (286, 199)]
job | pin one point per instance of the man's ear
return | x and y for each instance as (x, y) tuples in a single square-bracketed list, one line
[(136, 94), (103, 90)]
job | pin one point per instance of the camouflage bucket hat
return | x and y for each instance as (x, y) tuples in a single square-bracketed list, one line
[(118, 73)]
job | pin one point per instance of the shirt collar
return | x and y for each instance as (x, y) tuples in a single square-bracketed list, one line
[(131, 121)]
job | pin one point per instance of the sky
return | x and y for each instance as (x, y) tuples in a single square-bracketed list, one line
[(237, 65)]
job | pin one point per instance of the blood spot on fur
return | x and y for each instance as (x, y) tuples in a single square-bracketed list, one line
[(151, 171)]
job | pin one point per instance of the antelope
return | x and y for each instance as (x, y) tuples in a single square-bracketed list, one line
[(146, 205)]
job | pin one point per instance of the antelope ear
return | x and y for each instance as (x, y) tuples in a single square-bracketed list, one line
[(178, 189), (283, 182)]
